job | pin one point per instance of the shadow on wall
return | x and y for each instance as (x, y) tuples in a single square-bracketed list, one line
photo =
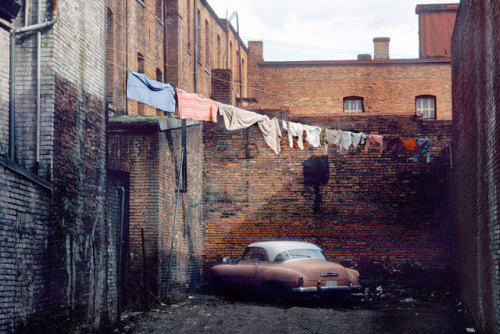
[(384, 215)]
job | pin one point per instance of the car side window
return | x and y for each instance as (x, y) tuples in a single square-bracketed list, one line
[(255, 254), (281, 257)]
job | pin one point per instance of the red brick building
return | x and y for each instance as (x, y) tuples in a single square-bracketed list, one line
[(81, 165), (185, 44), (476, 168), (386, 216), (382, 85)]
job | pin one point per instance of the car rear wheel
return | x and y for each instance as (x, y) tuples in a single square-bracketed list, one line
[(276, 293)]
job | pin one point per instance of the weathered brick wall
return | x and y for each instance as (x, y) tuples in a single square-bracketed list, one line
[(56, 268), (188, 246), (24, 229), (137, 29), (319, 87), (181, 48), (83, 269), (4, 92), (152, 158), (369, 211), (476, 175)]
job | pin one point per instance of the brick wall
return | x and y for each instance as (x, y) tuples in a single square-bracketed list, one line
[(387, 86), (476, 104), (4, 92), (152, 159), (372, 212), (82, 244), (181, 48), (24, 209), (58, 258)]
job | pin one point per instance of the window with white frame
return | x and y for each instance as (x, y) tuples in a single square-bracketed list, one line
[(426, 106), (353, 104)]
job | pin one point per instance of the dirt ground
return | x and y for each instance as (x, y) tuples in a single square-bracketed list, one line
[(381, 312)]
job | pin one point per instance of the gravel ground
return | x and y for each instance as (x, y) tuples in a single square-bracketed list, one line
[(380, 313)]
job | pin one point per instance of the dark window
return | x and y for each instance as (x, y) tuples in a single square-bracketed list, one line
[(159, 78), (219, 52), (207, 44), (140, 69)]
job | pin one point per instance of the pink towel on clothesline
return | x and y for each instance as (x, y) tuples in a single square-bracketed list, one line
[(375, 140), (196, 107)]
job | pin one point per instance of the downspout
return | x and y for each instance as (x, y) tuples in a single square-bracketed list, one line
[(195, 88), (120, 248), (165, 45), (12, 82), (227, 41), (195, 46)]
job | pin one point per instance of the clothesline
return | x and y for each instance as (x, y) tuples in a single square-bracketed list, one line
[(197, 107)]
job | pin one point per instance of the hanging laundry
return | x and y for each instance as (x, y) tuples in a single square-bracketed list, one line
[(424, 147), (236, 118), (346, 140), (196, 107), (410, 144), (333, 137), (313, 135), (375, 140), (154, 93), (272, 134), (294, 130), (358, 138), (394, 145)]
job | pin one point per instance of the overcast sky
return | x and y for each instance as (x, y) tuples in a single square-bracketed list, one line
[(326, 29)]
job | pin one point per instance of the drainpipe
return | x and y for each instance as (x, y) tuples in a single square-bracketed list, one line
[(195, 46), (120, 248), (12, 82), (235, 14), (227, 41)]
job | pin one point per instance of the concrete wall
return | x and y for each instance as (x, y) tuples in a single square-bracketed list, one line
[(476, 181), (382, 215), (387, 86)]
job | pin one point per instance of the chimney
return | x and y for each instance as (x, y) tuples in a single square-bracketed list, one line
[(381, 47), (364, 56)]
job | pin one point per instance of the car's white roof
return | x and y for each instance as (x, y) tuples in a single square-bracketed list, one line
[(273, 248)]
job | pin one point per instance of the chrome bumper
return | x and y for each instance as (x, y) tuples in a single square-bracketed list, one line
[(330, 289)]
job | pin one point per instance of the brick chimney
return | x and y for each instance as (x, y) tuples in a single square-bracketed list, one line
[(381, 47)]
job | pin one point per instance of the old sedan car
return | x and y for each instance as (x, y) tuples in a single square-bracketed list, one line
[(284, 269)]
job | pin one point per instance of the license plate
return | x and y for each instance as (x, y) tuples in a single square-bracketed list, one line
[(331, 283)]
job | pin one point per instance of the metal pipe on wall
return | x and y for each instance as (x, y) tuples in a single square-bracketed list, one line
[(120, 249), (12, 82), (38, 87)]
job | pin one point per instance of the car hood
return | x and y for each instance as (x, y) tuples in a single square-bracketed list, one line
[(314, 269)]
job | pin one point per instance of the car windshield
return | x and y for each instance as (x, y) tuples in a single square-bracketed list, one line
[(294, 254)]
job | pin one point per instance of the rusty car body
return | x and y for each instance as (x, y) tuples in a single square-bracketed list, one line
[(286, 269)]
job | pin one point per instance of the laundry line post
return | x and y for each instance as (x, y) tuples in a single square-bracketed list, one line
[(175, 219)]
